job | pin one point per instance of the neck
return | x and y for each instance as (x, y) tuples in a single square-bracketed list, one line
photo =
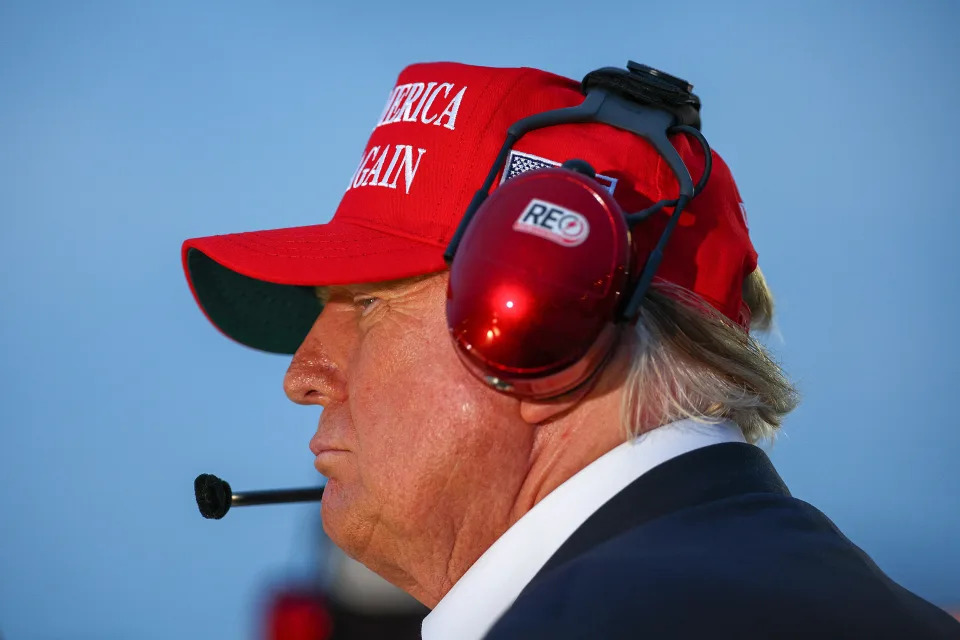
[(565, 446)]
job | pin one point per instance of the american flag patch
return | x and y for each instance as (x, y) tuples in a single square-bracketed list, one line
[(519, 162)]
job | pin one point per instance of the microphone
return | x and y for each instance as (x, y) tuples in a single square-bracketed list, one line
[(214, 496)]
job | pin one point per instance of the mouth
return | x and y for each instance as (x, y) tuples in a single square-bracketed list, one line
[(326, 453), (327, 445), (318, 448)]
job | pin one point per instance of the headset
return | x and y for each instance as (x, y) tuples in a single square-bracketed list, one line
[(540, 269)]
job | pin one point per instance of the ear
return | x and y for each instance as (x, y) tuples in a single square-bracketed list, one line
[(540, 411)]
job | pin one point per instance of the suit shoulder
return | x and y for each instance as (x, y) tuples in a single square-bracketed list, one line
[(603, 599), (606, 597), (725, 571)]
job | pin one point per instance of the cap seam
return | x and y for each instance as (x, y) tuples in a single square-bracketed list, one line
[(390, 231), (273, 254), (482, 132)]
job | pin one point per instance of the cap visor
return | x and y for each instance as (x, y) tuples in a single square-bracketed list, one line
[(257, 288)]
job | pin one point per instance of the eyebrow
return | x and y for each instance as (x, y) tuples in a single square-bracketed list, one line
[(365, 287), (324, 292)]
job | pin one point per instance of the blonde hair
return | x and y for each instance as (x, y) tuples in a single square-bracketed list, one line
[(690, 361)]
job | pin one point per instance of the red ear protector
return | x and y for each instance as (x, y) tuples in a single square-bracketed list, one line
[(540, 268)]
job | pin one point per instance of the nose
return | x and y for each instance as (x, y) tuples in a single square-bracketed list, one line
[(316, 375)]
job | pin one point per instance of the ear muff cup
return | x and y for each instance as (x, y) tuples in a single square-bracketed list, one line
[(537, 281)]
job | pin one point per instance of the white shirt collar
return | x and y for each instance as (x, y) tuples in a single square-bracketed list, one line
[(490, 586)]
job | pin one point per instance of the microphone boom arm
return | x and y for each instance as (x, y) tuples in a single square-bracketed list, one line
[(214, 496), (276, 496)]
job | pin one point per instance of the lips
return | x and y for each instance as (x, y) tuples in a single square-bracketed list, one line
[(326, 445), (326, 459), (318, 446)]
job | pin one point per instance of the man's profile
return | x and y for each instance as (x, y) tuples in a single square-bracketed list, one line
[(622, 499)]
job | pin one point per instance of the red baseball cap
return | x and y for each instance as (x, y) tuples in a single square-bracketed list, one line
[(435, 141)]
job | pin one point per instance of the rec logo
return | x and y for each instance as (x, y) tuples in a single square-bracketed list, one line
[(553, 222)]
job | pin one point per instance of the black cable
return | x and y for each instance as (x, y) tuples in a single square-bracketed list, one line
[(638, 217), (631, 311), (707, 155)]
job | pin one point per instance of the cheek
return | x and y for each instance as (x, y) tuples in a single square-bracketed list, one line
[(423, 423), (405, 389)]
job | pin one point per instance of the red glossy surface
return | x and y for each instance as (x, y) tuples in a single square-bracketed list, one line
[(298, 616), (532, 297)]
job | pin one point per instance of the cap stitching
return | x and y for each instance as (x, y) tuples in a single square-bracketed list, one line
[(391, 231), (261, 250)]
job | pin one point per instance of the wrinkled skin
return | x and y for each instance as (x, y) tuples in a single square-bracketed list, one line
[(427, 466)]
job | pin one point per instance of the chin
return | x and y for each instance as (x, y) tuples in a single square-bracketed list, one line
[(343, 519), (332, 510)]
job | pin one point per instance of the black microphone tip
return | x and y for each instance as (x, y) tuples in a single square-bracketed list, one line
[(214, 496)]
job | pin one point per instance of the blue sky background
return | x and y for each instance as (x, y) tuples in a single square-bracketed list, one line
[(126, 127)]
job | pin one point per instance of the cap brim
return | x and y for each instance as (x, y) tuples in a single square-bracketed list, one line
[(257, 288)]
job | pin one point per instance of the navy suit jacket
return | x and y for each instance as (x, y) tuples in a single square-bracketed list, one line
[(711, 545)]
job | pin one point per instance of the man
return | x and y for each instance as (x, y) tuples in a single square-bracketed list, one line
[(633, 505)]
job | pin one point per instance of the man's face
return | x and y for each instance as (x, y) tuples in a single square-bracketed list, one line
[(423, 460)]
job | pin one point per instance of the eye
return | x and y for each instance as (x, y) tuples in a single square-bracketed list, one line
[(365, 303)]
